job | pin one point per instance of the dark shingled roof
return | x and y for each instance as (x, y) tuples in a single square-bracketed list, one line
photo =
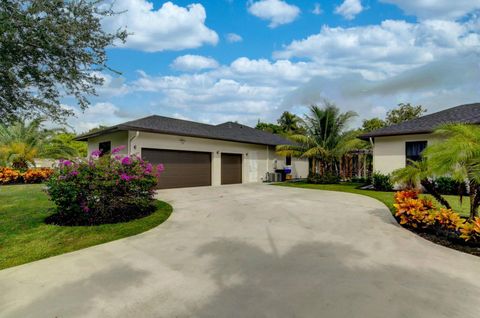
[(468, 114), (229, 131)]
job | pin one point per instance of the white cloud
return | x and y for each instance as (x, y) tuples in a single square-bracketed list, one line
[(112, 86), (245, 90), (317, 9), (100, 113), (437, 9), (387, 49), (278, 12), (437, 85), (233, 38), (349, 9), (171, 27), (194, 63)]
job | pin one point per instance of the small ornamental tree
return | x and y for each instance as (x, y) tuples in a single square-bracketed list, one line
[(103, 189)]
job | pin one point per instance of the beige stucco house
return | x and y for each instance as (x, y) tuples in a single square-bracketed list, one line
[(196, 154), (393, 146)]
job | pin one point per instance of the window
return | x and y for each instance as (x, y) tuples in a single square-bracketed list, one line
[(288, 160), (104, 147), (414, 149)]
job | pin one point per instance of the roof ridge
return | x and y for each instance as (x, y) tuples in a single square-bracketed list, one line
[(466, 113)]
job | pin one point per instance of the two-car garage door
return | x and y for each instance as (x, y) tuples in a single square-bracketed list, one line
[(192, 169), (182, 168)]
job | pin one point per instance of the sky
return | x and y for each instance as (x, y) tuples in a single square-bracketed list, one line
[(249, 60)]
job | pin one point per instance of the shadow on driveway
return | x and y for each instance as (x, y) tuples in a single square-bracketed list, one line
[(321, 279), (83, 293)]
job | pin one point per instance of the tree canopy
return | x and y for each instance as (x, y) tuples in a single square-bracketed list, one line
[(372, 124), (22, 142), (50, 49), (404, 112), (458, 156), (325, 140)]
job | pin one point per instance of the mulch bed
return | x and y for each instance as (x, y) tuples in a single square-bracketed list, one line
[(470, 249)]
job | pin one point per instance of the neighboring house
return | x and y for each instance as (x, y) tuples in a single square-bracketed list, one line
[(394, 145), (196, 154)]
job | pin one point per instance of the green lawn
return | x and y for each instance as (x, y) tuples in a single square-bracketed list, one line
[(24, 237), (385, 197)]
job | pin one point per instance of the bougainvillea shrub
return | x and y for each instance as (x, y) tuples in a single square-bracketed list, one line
[(103, 189)]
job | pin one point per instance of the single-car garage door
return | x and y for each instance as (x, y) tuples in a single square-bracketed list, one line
[(231, 168), (182, 168)]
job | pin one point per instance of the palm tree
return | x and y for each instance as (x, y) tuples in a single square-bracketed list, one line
[(417, 173), (325, 140), (458, 155), (21, 142), (290, 123)]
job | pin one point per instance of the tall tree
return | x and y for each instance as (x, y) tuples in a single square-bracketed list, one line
[(290, 123), (458, 155), (404, 112), (22, 142), (48, 49), (326, 139), (268, 127), (372, 124)]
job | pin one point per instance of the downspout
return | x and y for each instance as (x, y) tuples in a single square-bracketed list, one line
[(137, 133), (373, 157), (267, 179)]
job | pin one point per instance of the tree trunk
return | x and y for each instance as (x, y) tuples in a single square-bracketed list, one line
[(474, 199), (430, 187)]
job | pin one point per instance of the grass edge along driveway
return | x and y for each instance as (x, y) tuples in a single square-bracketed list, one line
[(24, 237), (382, 196)]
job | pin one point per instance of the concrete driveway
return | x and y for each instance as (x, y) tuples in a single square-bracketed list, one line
[(254, 251)]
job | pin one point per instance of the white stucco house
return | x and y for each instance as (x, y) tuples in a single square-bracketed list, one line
[(394, 145), (197, 154)]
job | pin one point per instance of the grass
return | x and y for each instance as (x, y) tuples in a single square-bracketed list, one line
[(385, 197), (24, 237)]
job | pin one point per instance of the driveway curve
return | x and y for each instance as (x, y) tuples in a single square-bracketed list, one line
[(254, 251)]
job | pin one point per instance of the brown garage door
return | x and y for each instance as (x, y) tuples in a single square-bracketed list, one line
[(231, 168), (182, 168)]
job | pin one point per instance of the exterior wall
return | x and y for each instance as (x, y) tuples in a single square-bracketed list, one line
[(257, 159), (117, 139), (389, 151)]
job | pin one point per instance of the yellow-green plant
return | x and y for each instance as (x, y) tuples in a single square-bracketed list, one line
[(458, 155)]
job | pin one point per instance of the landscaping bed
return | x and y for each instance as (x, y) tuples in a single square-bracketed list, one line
[(25, 237)]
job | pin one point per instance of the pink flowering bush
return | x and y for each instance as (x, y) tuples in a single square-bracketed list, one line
[(103, 189)]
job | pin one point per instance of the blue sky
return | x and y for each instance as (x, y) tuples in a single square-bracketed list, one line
[(213, 61)]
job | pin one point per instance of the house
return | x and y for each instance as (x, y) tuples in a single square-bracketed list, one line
[(394, 145), (196, 154)]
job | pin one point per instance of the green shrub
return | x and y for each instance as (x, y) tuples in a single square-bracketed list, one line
[(382, 182), (326, 178), (362, 180), (447, 185), (107, 189)]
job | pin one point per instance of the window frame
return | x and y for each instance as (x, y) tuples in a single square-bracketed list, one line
[(105, 143), (418, 157), (288, 160)]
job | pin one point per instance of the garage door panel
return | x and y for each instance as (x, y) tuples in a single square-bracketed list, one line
[(231, 168), (182, 168)]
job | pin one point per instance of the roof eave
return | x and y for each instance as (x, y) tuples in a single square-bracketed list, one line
[(158, 131), (368, 136)]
